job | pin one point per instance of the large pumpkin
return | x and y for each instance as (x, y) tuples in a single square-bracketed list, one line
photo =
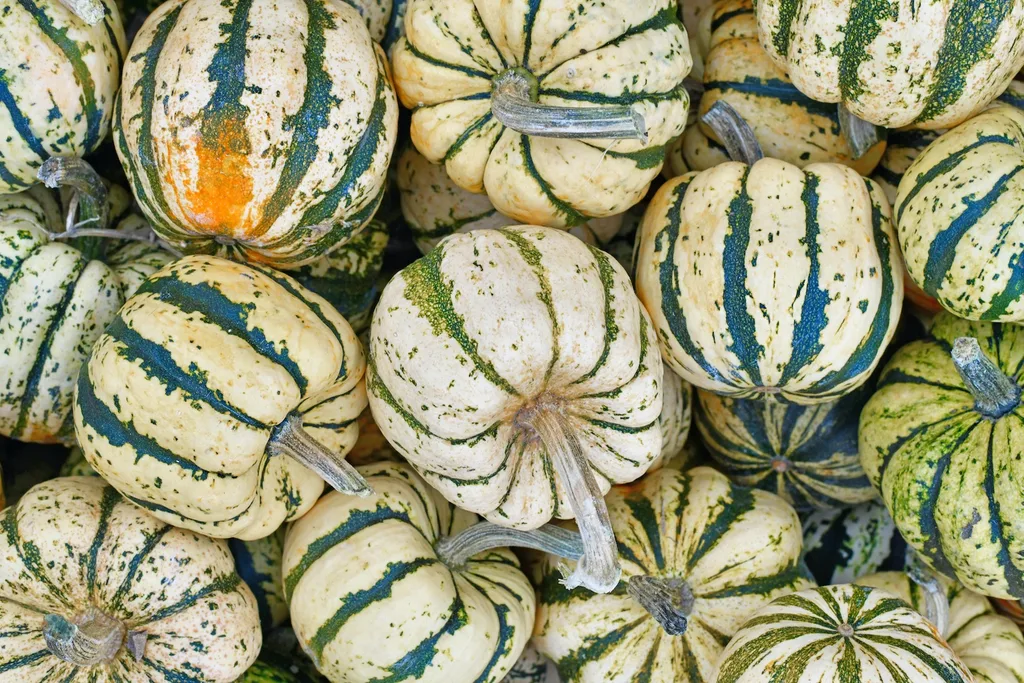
[(207, 375), (717, 552), (60, 75), (261, 129), (372, 600), (945, 454), (770, 279), (56, 297), (842, 545), (932, 65), (500, 91), (94, 589)]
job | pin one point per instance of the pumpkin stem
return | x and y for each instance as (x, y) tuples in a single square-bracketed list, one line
[(670, 601), (90, 192), (91, 637), (289, 438), (135, 643), (734, 132), (455, 550), (935, 599), (89, 11), (994, 393), (860, 134), (598, 568), (514, 103)]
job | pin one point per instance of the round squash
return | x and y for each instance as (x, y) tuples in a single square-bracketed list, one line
[(944, 454), (532, 667), (957, 212), (60, 72), (770, 279), (558, 114), (210, 371), (57, 295), (371, 599), (805, 454), (518, 373), (716, 551), (259, 564), (261, 130), (932, 65), (94, 589), (842, 545)]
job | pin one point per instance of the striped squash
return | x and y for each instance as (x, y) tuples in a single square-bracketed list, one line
[(470, 344), (805, 454), (260, 129), (731, 549), (74, 552), (840, 633), (932, 64), (58, 81), (675, 418), (259, 564), (991, 646), (958, 212), (842, 545), (370, 600), (770, 279), (578, 55), (188, 389), (788, 124), (532, 667), (55, 300), (946, 465)]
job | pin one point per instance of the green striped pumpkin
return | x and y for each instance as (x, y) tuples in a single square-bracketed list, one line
[(948, 473), (185, 389), (990, 646), (771, 279), (532, 667), (582, 54), (73, 545), (469, 340), (957, 212), (58, 80), (259, 129), (842, 545), (839, 633), (55, 300), (370, 600), (735, 549), (259, 564), (805, 454), (932, 64)]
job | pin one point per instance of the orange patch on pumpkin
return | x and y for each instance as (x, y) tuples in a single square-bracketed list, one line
[(223, 189)]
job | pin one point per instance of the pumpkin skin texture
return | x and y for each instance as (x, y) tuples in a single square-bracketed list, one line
[(258, 130), (957, 214), (801, 635), (771, 279), (990, 646), (932, 65), (353, 563), (675, 419), (842, 545), (805, 454), (55, 302), (603, 55), (462, 343), (75, 542), (60, 80), (184, 391), (948, 474), (735, 548), (259, 564)]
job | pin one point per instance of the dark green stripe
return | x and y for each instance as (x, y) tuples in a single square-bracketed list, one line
[(567, 211), (997, 535), (594, 648), (532, 7), (469, 71), (787, 14), (742, 329), (643, 512), (946, 673), (1014, 288), (222, 584), (24, 660), (415, 664), (31, 558), (445, 229), (741, 502), (783, 92), (747, 656), (720, 19), (470, 131), (22, 126), (625, 98), (224, 116), (861, 30), (116, 601), (611, 329), (107, 504)]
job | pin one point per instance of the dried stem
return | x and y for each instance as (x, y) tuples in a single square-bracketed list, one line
[(456, 550), (291, 439), (994, 393), (88, 638), (734, 132), (935, 599), (670, 601), (89, 11), (860, 134)]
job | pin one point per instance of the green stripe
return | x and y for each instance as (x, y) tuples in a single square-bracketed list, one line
[(792, 668), (222, 584), (414, 665), (861, 30), (22, 125), (611, 329), (947, 673), (594, 649), (469, 71), (107, 504), (31, 558), (532, 7), (123, 591), (470, 131), (748, 655), (224, 116), (643, 512), (787, 14), (24, 660), (625, 98), (740, 502), (742, 329), (562, 208), (445, 229), (999, 536)]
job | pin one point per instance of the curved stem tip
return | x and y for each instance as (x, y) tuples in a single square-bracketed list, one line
[(89, 11), (289, 438), (860, 134), (90, 192), (88, 638), (935, 599), (734, 132), (456, 550), (994, 393), (669, 601)]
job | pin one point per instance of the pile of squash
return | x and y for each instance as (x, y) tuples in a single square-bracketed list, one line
[(461, 341)]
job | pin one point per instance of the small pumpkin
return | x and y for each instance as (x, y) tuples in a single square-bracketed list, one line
[(843, 544), (259, 564), (532, 667), (699, 554), (933, 65), (840, 633), (207, 373), (92, 588), (559, 115), (805, 454), (261, 130), (940, 441), (58, 294), (355, 564)]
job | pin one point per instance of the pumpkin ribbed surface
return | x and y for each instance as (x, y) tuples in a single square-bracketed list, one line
[(842, 545), (675, 419)]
